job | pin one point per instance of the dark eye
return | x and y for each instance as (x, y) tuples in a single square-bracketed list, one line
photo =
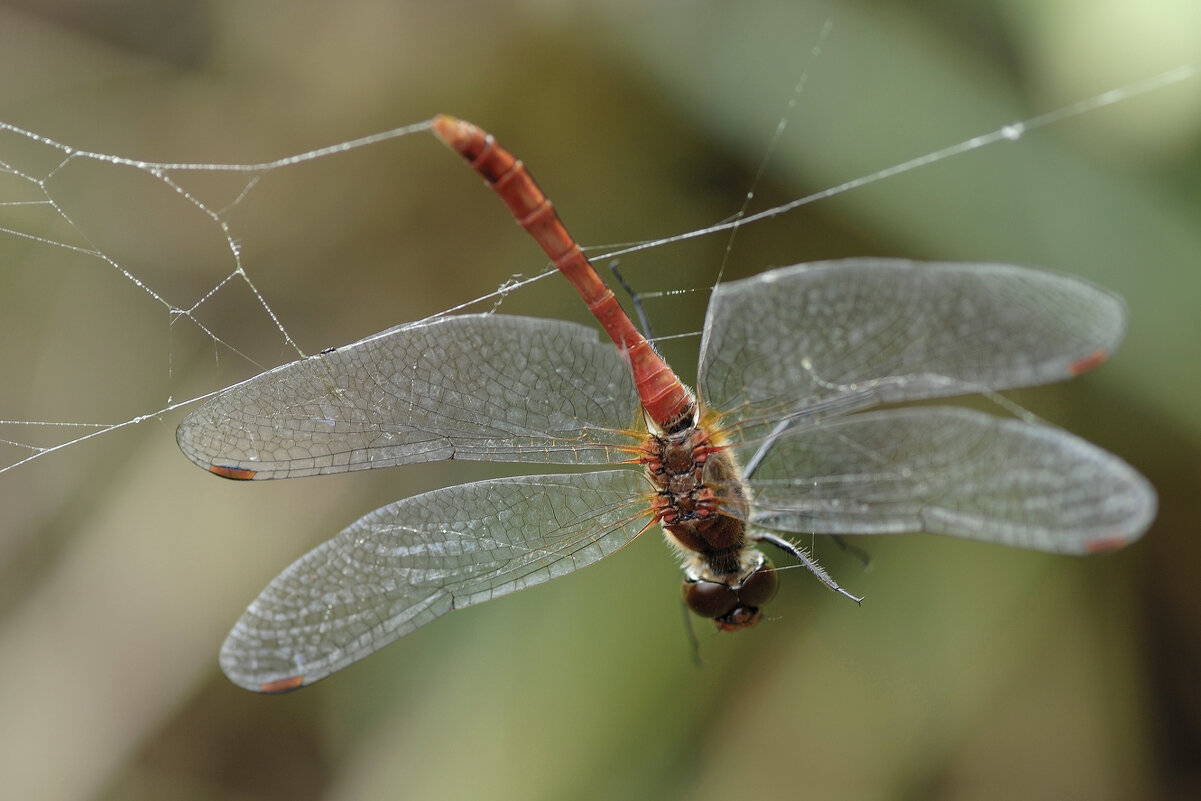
[(759, 587), (733, 607), (709, 598)]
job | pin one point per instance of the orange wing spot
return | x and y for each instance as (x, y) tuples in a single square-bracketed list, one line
[(282, 685), (236, 473), (1106, 544), (1092, 360)]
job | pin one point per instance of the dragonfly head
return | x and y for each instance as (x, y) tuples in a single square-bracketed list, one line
[(735, 604)]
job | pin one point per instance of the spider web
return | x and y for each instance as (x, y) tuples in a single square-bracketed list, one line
[(40, 219)]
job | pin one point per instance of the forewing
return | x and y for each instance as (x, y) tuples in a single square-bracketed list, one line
[(405, 564), (831, 337), (495, 387), (951, 471)]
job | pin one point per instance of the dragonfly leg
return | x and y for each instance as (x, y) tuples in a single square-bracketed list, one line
[(636, 299), (800, 555), (865, 559), (694, 645)]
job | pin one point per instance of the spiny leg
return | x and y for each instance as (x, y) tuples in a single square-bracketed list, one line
[(801, 556)]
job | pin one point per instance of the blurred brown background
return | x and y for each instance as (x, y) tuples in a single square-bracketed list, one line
[(970, 672)]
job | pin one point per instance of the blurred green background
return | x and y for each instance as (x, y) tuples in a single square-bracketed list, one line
[(970, 672)]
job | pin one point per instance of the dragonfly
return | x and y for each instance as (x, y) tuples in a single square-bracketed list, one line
[(795, 428)]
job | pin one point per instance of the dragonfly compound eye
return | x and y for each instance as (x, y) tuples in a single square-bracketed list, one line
[(759, 587), (734, 607), (709, 598)]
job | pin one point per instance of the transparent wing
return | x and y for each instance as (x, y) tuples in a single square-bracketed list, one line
[(831, 337), (405, 564), (504, 388), (951, 471)]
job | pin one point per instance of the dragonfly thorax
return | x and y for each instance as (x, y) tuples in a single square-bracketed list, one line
[(702, 502)]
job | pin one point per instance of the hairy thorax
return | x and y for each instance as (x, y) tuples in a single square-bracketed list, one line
[(702, 501)]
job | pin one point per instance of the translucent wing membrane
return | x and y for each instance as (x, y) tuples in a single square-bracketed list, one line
[(831, 337), (787, 357), (405, 564), (953, 471), (493, 387)]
